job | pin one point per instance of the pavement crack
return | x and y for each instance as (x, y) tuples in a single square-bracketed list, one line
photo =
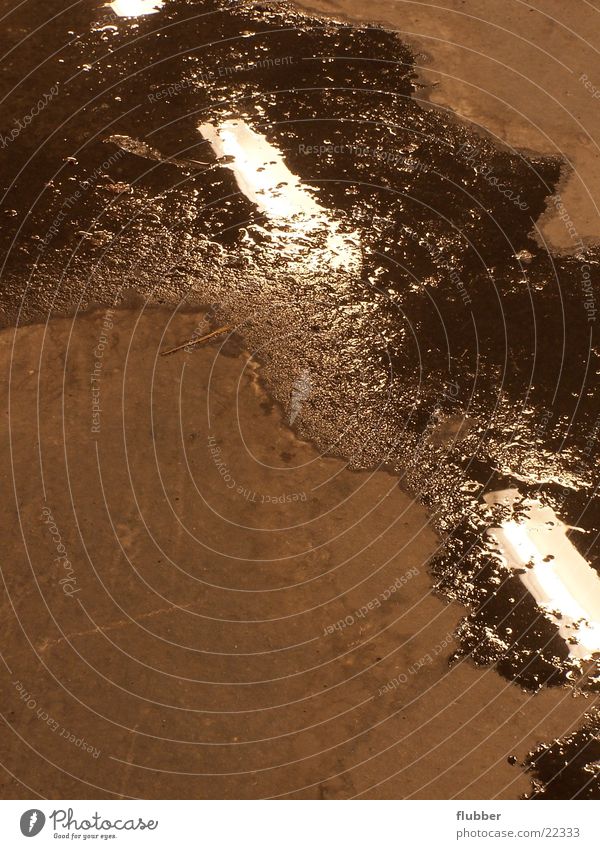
[(112, 626)]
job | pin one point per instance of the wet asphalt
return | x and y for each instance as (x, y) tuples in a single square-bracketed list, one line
[(463, 356)]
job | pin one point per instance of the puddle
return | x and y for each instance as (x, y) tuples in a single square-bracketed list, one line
[(341, 226), (278, 166)]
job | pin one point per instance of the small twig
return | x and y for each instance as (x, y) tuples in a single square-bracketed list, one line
[(198, 341)]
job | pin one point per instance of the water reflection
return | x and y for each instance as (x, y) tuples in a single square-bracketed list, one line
[(133, 8), (305, 229), (443, 288), (534, 543)]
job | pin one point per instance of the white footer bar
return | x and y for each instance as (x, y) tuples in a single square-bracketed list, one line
[(298, 824)]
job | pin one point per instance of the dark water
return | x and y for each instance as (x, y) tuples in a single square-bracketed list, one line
[(568, 768), (462, 356)]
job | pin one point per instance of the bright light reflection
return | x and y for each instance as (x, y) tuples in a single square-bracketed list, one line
[(133, 8), (562, 582), (264, 178)]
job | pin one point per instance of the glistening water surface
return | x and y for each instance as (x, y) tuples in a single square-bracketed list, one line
[(283, 167)]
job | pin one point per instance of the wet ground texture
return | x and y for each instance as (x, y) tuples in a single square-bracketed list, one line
[(462, 354)]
